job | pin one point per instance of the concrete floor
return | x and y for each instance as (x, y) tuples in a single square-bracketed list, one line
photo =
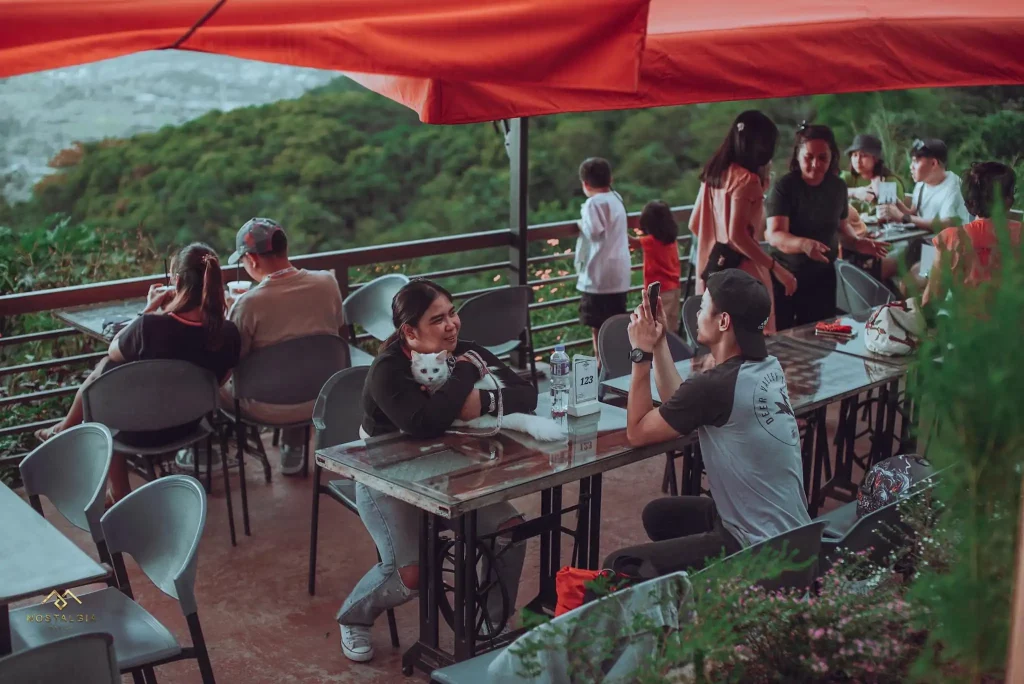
[(260, 623)]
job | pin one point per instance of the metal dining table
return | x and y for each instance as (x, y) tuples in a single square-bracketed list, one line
[(816, 378), (36, 559), (91, 319), (452, 477)]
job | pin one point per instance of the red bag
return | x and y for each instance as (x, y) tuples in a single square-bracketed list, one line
[(569, 588), (572, 590)]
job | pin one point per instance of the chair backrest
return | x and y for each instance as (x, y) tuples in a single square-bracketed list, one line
[(160, 525), (370, 305), (496, 317), (150, 395), (613, 346), (290, 372), (70, 469), (877, 533), (690, 309), (800, 544), (856, 290), (83, 658), (339, 408), (678, 348)]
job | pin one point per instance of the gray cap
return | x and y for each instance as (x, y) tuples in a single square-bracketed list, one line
[(255, 237), (866, 143)]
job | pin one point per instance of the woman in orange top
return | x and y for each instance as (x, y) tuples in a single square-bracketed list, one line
[(972, 250), (729, 209), (661, 256)]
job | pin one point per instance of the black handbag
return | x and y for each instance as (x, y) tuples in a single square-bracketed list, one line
[(722, 257)]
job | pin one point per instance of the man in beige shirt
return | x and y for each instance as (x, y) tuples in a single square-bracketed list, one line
[(286, 302)]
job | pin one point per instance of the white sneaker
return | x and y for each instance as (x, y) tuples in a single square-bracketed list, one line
[(356, 643), (185, 460), (291, 460)]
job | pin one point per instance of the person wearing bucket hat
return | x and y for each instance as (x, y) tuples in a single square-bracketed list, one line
[(284, 302), (867, 169), (744, 420)]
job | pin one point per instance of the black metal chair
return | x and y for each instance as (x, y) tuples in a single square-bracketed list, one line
[(336, 417), (287, 373)]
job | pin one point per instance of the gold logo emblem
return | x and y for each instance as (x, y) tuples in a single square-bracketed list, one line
[(60, 600)]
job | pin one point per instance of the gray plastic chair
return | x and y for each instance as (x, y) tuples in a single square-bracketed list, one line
[(290, 372), (70, 469), (145, 396), (857, 291), (82, 659), (370, 306), (839, 520), (805, 541), (472, 671), (159, 525), (613, 346), (691, 307), (500, 322), (336, 417)]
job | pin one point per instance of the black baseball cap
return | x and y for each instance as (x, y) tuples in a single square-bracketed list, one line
[(932, 148), (746, 300), (255, 237)]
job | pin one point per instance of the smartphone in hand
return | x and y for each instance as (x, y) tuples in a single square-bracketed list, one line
[(654, 297)]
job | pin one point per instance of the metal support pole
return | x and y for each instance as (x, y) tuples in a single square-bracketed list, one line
[(517, 146)]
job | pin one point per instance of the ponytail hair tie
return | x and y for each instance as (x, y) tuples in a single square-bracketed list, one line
[(740, 126)]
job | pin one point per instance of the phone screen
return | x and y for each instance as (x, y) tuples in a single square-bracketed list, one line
[(653, 295)]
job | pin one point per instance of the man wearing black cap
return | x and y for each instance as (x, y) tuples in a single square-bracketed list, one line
[(744, 420), (936, 196)]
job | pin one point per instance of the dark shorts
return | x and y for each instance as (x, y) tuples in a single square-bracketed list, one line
[(595, 309)]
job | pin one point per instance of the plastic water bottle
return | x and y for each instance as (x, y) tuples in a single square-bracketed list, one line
[(559, 382)]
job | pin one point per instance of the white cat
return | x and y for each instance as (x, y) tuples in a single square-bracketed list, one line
[(433, 370)]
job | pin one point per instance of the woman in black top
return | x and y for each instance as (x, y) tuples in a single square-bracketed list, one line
[(184, 322), (393, 400), (807, 217)]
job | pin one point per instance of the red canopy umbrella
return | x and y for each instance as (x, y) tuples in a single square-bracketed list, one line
[(750, 49), (568, 43)]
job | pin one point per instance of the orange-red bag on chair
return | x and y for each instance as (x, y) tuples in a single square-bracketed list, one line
[(569, 587)]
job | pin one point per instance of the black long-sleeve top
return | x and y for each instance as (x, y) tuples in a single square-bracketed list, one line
[(393, 399)]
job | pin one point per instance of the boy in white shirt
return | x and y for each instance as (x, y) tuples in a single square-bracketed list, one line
[(602, 250), (936, 196)]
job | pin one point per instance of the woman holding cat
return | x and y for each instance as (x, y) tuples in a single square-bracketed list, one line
[(394, 400)]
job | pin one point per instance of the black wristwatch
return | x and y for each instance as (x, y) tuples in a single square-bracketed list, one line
[(906, 218), (639, 355)]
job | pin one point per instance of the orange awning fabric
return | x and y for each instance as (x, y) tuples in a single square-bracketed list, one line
[(589, 44), (753, 49)]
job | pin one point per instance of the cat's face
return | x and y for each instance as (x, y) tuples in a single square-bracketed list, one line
[(431, 370)]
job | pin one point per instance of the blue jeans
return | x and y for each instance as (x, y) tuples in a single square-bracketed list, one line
[(395, 528)]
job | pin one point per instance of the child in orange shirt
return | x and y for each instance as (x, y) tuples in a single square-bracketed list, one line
[(661, 256)]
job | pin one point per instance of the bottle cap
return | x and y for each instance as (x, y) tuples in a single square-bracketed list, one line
[(559, 347)]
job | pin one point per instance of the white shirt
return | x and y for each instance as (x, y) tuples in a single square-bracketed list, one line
[(942, 201), (602, 250)]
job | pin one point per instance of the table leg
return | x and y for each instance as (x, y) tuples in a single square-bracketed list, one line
[(545, 545), (807, 453), (892, 406), (555, 539), (878, 442), (469, 608), (595, 521), (583, 525), (820, 447), (5, 631)]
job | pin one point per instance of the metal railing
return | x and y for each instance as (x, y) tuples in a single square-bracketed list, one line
[(342, 262)]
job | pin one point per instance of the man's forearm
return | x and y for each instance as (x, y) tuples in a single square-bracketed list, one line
[(640, 402), (666, 377)]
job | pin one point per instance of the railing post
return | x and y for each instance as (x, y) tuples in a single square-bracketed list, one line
[(517, 145)]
